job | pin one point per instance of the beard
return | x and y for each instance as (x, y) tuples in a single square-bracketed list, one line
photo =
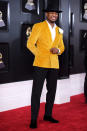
[(50, 21)]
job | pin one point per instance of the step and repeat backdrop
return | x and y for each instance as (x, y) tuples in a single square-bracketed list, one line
[(16, 20)]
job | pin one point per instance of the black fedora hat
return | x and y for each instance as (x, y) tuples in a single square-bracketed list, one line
[(52, 7)]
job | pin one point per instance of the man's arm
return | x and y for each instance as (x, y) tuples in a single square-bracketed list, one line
[(33, 39), (61, 45)]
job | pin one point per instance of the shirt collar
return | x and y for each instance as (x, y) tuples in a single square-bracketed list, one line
[(50, 25)]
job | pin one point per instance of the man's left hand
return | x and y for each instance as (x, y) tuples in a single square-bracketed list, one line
[(54, 50)]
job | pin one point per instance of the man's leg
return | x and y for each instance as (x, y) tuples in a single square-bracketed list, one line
[(51, 79), (85, 88), (38, 81)]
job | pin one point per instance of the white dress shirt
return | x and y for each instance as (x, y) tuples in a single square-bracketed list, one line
[(53, 32)]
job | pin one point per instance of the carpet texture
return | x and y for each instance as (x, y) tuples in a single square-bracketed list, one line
[(72, 117)]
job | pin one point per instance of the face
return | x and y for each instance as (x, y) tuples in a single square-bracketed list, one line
[(52, 16)]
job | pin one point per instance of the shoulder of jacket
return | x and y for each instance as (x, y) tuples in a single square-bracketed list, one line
[(38, 24), (60, 30)]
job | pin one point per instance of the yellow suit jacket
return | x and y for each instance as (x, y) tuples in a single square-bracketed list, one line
[(40, 42)]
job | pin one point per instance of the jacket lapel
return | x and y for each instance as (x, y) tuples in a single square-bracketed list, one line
[(57, 37), (48, 32)]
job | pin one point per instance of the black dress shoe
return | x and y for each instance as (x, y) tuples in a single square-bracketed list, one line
[(85, 100), (50, 119), (33, 124)]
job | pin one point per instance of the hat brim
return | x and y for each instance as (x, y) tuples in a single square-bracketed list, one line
[(58, 11)]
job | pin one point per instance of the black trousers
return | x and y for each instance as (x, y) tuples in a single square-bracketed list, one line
[(51, 76), (85, 82), (85, 86)]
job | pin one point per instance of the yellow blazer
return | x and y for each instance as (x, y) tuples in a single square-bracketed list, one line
[(40, 42)]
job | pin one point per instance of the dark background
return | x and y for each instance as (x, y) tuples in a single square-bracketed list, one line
[(19, 59)]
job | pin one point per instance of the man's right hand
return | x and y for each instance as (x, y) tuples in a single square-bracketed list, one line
[(54, 50)]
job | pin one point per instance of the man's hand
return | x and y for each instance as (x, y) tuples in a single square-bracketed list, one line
[(54, 50)]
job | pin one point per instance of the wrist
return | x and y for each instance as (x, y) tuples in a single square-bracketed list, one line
[(58, 51)]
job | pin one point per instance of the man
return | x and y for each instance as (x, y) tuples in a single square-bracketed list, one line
[(85, 61), (46, 43)]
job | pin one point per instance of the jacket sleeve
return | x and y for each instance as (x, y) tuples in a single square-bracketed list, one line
[(31, 42), (61, 45)]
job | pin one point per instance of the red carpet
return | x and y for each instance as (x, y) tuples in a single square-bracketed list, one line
[(72, 117)]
